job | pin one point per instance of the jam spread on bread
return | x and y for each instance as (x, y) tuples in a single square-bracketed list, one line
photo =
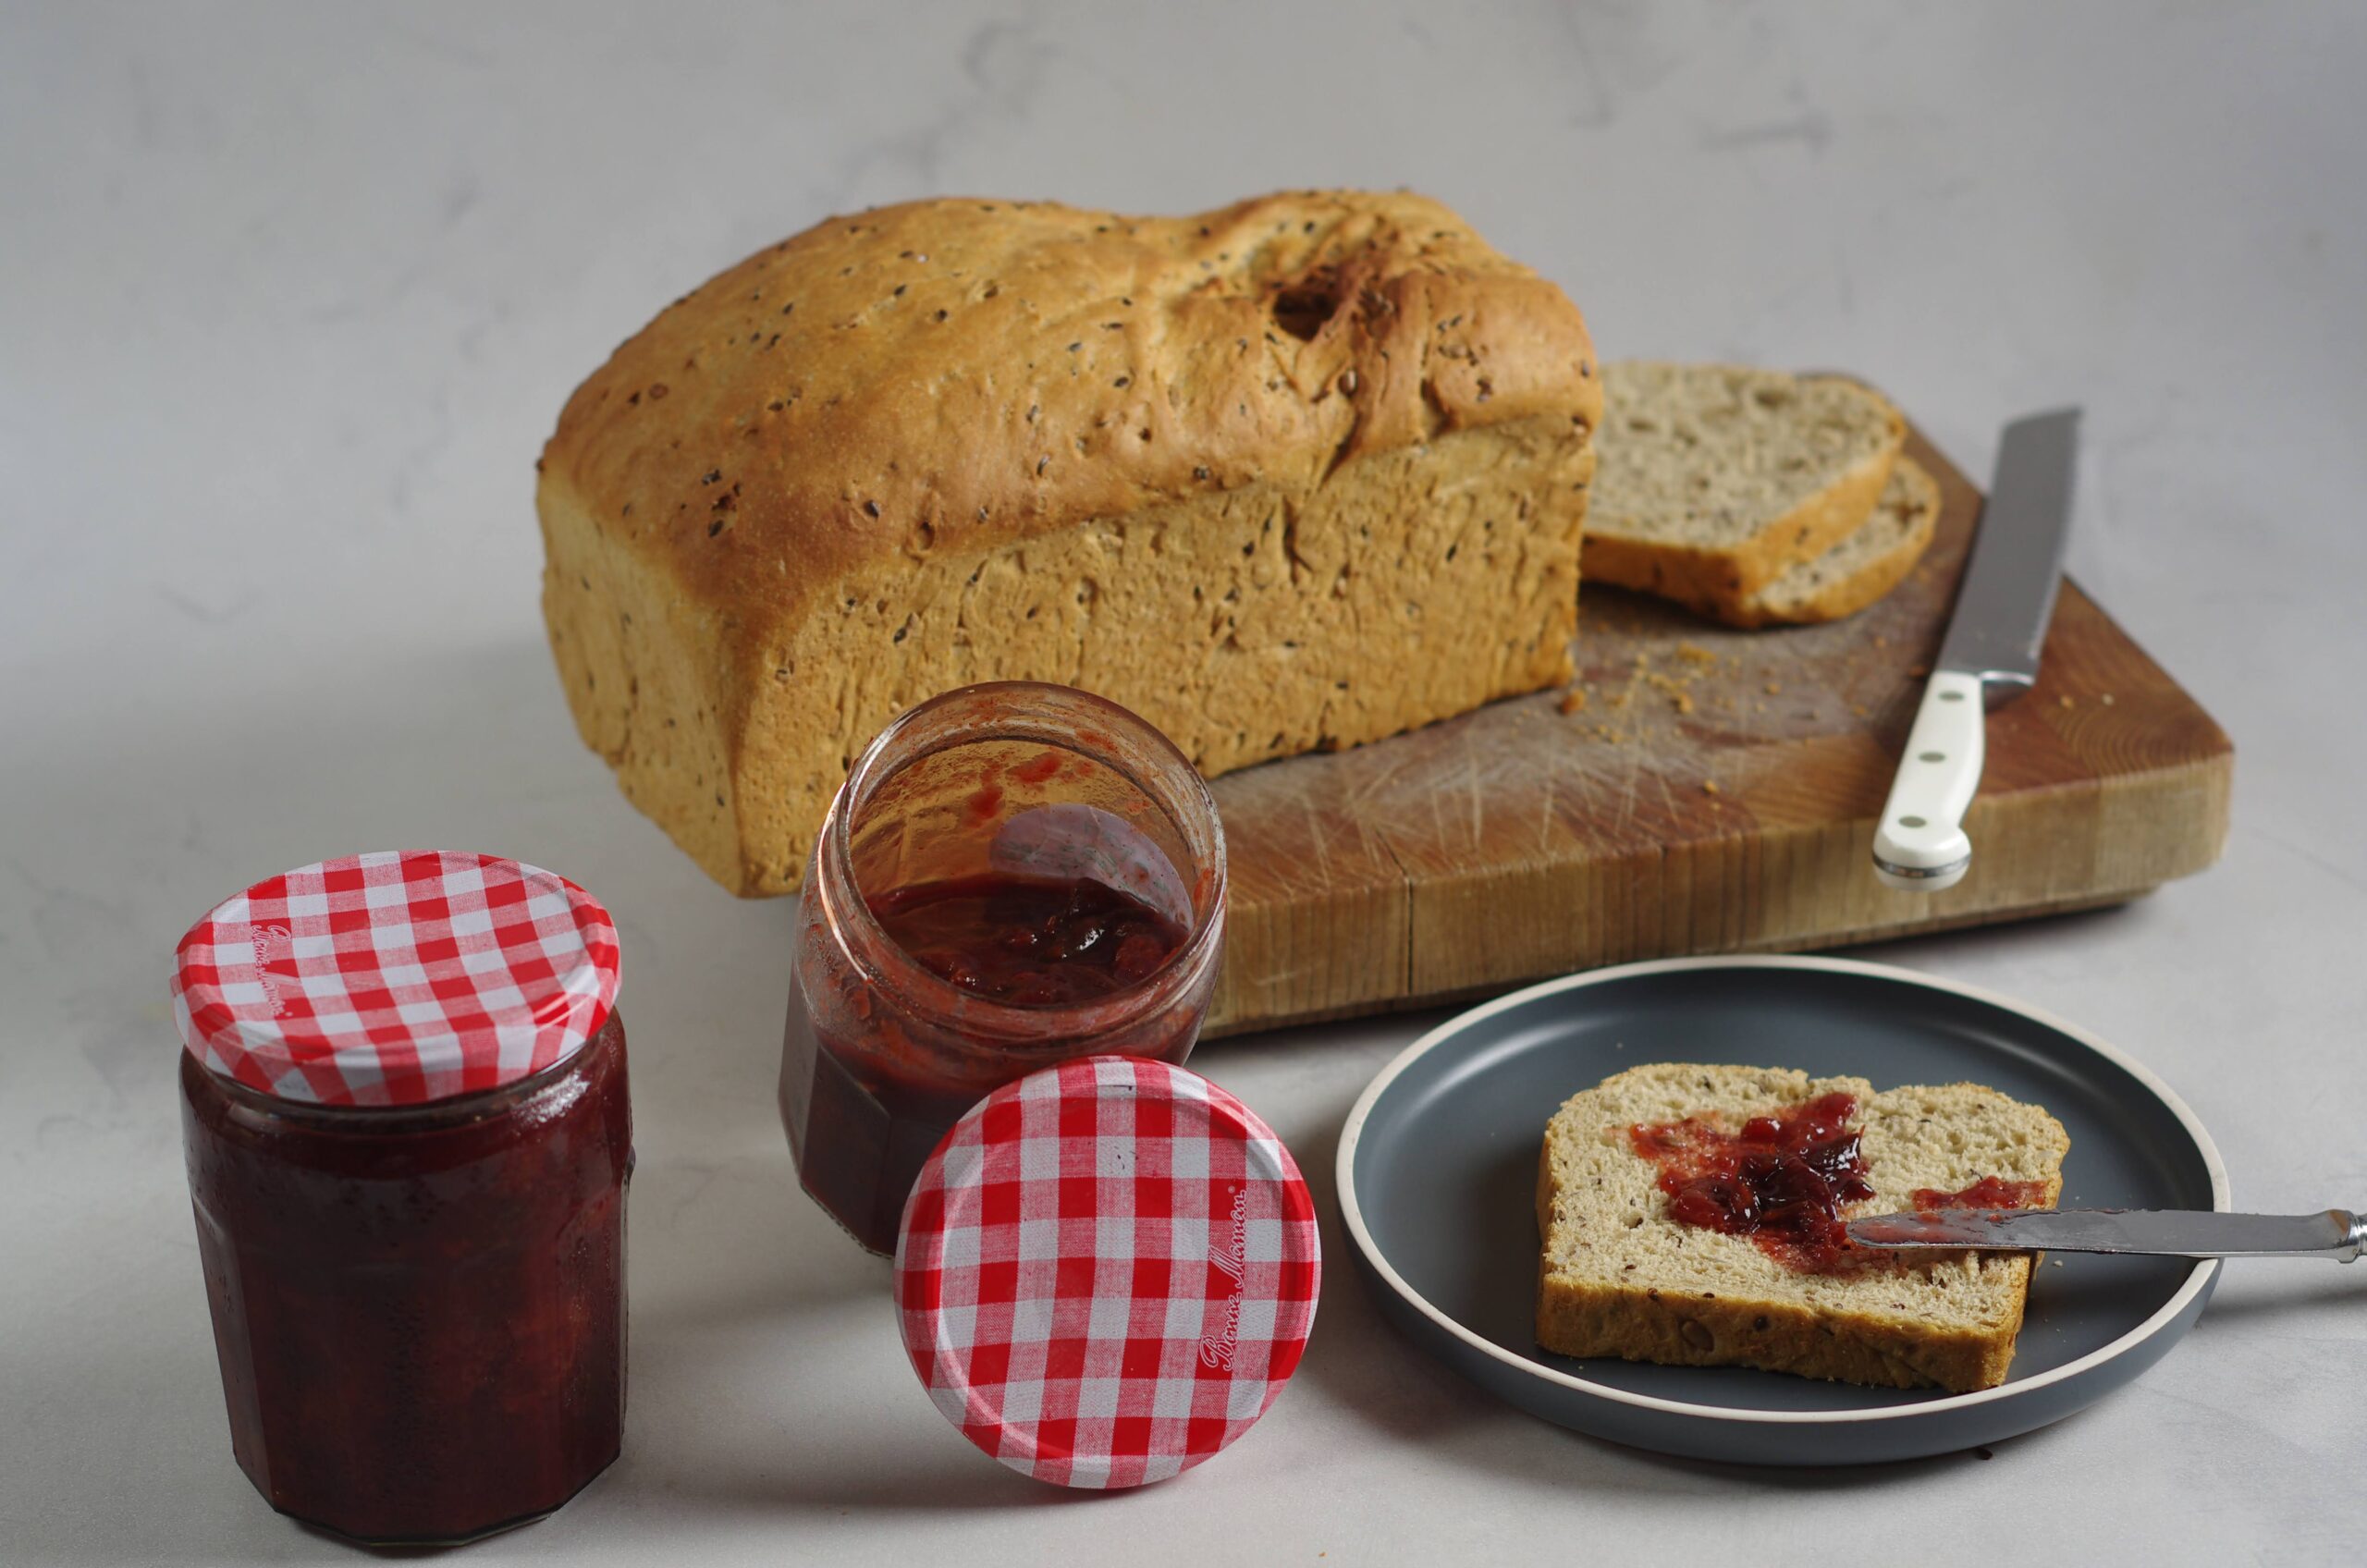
[(1781, 1180), (1989, 1192), (1028, 941)]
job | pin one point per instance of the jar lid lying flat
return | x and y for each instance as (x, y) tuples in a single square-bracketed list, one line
[(1107, 1272), (395, 978)]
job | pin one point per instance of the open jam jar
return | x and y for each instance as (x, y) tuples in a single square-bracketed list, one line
[(1013, 876), (408, 1133)]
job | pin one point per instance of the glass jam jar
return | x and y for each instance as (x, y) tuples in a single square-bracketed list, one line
[(1014, 875), (408, 1132)]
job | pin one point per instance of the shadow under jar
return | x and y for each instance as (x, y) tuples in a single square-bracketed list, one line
[(413, 1249), (1013, 876)]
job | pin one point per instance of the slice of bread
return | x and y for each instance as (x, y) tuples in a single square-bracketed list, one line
[(1854, 573), (1713, 481), (1620, 1277)]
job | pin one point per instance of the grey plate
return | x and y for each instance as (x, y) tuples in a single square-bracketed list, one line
[(1438, 1167)]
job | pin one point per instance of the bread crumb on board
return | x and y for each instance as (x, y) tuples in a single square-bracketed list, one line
[(1574, 701), (1709, 787)]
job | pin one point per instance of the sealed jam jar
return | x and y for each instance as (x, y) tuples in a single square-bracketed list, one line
[(404, 1108), (1013, 874)]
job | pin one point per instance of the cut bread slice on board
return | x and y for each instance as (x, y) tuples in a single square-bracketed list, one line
[(1713, 481), (1862, 568), (1620, 1277)]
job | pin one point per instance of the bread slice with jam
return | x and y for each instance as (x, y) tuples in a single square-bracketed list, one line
[(1690, 1216)]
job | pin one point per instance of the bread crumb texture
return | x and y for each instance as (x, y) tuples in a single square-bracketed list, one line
[(1294, 475), (1861, 569), (1618, 1276), (1716, 479)]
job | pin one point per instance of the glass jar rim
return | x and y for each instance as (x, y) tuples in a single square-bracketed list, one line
[(469, 1105), (1177, 791)]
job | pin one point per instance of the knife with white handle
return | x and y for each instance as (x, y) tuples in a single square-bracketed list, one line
[(2164, 1233), (1990, 655)]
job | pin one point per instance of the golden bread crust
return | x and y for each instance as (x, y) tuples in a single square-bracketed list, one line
[(846, 473), (990, 371)]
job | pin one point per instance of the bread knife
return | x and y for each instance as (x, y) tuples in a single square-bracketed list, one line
[(1990, 655), (2162, 1232)]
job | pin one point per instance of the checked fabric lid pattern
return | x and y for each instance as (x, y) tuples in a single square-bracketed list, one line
[(396, 978), (1107, 1272)]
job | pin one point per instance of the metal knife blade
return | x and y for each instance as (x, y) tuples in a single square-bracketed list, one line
[(2007, 597), (2336, 1234), (1991, 654)]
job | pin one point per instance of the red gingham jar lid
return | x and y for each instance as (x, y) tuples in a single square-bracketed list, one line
[(395, 978), (1107, 1272)]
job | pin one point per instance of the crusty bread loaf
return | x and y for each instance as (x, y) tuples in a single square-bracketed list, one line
[(1619, 1276), (1716, 479), (1294, 475), (1862, 568)]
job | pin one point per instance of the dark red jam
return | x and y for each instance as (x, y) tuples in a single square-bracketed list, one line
[(1014, 875), (1781, 1181), (869, 1090), (1989, 1192), (1027, 941), (418, 1311)]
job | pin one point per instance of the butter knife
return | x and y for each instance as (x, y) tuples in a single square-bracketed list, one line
[(1990, 656), (2166, 1233)]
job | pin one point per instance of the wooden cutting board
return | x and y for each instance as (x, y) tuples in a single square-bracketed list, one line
[(1715, 793)]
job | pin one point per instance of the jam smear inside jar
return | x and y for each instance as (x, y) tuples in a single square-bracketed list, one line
[(1782, 1179), (1014, 875), (1028, 941)]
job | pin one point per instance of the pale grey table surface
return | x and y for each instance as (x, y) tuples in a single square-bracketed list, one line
[(289, 298)]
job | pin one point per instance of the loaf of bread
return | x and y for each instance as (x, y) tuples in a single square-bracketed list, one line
[(1620, 1276), (1716, 479), (1294, 475)]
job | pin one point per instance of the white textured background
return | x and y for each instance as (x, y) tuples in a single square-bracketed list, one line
[(291, 295)]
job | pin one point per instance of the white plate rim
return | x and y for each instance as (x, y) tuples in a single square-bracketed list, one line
[(2198, 1279)]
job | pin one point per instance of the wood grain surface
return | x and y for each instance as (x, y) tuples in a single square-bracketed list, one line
[(1704, 789)]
